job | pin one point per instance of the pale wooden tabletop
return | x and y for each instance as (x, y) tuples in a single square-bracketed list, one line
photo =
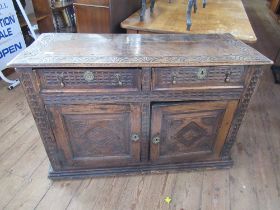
[(219, 16)]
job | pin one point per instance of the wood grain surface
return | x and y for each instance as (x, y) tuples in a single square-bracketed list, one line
[(137, 50)]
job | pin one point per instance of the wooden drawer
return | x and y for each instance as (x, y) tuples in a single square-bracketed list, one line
[(94, 80), (198, 77)]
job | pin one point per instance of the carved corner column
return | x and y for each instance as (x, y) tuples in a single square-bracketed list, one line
[(255, 73), (31, 89)]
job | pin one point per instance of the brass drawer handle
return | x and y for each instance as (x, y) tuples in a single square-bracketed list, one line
[(174, 79), (227, 78), (134, 137), (156, 140), (118, 76), (88, 76), (60, 78)]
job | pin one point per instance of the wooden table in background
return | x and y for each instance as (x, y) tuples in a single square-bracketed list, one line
[(219, 16)]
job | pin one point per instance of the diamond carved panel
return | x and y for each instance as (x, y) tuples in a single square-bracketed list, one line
[(190, 134), (95, 137), (184, 133)]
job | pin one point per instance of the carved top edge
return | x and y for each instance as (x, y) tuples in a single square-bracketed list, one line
[(137, 50)]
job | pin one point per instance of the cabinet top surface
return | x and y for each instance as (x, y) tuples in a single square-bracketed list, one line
[(136, 50)]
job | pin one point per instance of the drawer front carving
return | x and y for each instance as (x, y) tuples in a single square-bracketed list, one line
[(190, 131), (99, 80), (197, 77), (91, 136)]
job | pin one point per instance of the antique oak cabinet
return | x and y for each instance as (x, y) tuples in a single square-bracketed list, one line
[(119, 104)]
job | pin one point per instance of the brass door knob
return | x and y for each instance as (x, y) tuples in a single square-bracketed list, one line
[(135, 137), (156, 140)]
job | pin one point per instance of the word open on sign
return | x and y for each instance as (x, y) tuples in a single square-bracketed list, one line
[(11, 39)]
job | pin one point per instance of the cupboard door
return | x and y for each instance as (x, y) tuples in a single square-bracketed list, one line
[(192, 131), (91, 136)]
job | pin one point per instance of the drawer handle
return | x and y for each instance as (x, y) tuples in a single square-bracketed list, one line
[(88, 76), (227, 79), (156, 140), (118, 76), (174, 79), (135, 137), (60, 78)]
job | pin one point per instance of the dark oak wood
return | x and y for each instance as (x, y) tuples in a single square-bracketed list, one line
[(190, 131), (118, 107), (101, 80), (92, 136), (188, 78), (103, 16), (137, 50)]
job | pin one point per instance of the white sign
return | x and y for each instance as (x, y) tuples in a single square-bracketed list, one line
[(11, 38)]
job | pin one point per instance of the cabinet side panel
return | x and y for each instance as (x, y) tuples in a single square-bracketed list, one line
[(28, 80), (254, 74)]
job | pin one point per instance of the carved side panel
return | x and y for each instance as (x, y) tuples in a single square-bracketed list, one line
[(242, 108), (40, 117)]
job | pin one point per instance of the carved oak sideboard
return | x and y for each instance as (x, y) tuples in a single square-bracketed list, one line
[(119, 104)]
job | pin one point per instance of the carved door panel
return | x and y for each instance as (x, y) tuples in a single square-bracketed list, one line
[(103, 135), (190, 131)]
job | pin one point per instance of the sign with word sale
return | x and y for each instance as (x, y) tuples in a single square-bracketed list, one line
[(11, 38)]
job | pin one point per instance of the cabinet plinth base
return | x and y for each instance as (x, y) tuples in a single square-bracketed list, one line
[(144, 169)]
